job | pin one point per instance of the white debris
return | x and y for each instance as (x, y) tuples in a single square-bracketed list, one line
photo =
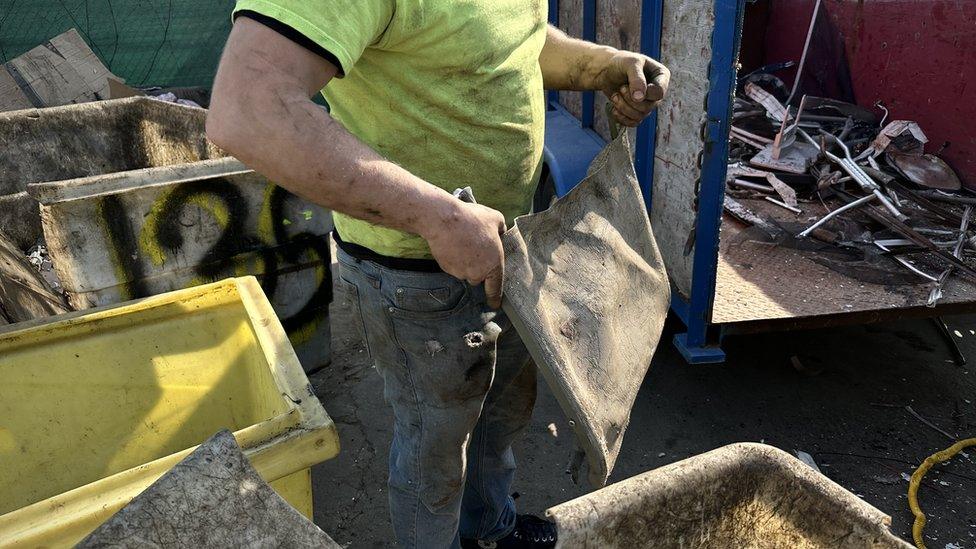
[(808, 459), (434, 347), (170, 97)]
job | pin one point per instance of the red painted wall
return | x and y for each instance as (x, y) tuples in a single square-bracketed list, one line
[(917, 56)]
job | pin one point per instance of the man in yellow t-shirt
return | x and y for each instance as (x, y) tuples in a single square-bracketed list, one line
[(425, 96)]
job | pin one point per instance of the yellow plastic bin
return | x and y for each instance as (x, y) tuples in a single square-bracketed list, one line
[(96, 405)]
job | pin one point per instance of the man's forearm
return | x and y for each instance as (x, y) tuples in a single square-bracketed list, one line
[(572, 64)]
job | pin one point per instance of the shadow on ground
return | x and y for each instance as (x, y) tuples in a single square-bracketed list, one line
[(842, 405)]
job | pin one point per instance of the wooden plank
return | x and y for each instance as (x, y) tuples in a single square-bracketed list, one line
[(686, 48), (617, 25), (571, 22), (60, 72), (76, 52), (11, 98)]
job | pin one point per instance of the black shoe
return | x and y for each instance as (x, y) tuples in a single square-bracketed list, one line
[(531, 532)]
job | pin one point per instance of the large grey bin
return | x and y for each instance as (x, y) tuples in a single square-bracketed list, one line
[(134, 201), (743, 495)]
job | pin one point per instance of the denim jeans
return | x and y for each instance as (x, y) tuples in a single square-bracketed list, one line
[(462, 388)]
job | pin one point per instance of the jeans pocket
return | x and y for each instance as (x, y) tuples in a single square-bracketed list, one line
[(353, 303), (439, 297)]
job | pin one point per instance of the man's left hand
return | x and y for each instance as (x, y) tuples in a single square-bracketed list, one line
[(635, 84)]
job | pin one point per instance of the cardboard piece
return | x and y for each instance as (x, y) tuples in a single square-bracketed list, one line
[(61, 71), (213, 498)]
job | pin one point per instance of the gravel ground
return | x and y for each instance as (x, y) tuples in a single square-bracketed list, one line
[(844, 405)]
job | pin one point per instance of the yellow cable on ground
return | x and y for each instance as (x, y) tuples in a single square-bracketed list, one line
[(938, 457)]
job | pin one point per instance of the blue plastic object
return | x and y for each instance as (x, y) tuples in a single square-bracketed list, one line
[(569, 149)]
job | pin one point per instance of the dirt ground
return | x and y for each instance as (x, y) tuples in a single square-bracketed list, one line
[(844, 406)]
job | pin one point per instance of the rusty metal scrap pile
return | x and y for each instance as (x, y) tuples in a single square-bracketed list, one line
[(852, 179)]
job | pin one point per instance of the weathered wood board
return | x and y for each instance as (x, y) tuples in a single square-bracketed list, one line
[(617, 25), (686, 48), (61, 71), (571, 22)]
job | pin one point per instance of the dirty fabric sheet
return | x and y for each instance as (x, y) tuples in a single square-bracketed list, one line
[(586, 289)]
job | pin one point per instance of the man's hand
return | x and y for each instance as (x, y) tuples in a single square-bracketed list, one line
[(466, 242), (635, 84)]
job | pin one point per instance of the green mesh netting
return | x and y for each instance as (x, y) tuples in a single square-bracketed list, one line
[(146, 42)]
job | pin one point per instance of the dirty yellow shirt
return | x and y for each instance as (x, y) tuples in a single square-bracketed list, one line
[(449, 89)]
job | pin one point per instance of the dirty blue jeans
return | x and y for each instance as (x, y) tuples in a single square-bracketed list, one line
[(462, 388)]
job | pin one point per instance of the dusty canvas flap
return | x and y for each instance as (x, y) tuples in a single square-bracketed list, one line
[(586, 289)]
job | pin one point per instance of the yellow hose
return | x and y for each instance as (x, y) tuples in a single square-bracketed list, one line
[(938, 457)]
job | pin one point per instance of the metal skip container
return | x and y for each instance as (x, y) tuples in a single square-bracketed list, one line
[(134, 201), (97, 405)]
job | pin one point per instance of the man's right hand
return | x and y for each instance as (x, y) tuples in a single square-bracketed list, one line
[(466, 242)]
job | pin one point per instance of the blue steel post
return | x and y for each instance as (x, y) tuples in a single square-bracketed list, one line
[(652, 13), (695, 345), (589, 34)]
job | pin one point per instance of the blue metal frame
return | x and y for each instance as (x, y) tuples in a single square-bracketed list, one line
[(697, 345), (569, 149), (589, 34), (568, 165), (571, 145), (652, 14)]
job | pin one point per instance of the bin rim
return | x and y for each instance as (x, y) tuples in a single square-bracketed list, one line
[(94, 186)]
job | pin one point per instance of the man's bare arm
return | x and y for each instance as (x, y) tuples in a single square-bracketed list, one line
[(633, 82), (261, 112)]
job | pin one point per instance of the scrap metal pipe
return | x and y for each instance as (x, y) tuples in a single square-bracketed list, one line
[(844, 208), (855, 171), (753, 186)]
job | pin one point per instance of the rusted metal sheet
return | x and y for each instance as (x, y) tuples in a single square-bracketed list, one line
[(926, 170)]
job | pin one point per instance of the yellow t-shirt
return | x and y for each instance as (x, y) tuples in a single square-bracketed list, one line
[(449, 89)]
